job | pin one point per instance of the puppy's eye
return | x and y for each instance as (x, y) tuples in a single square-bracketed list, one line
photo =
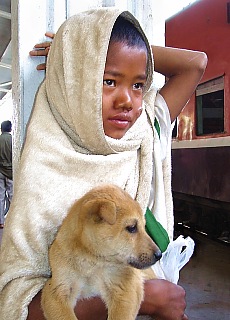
[(132, 229)]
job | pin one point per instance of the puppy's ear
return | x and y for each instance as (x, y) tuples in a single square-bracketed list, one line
[(102, 209)]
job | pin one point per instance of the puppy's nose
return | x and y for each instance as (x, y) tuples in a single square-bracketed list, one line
[(158, 255)]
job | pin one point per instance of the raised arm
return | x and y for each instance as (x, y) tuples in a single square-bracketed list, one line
[(183, 69)]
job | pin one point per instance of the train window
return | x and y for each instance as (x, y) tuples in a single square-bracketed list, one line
[(210, 107)]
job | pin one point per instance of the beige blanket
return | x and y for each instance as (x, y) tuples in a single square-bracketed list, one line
[(66, 153)]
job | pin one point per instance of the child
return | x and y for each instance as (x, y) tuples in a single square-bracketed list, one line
[(93, 123)]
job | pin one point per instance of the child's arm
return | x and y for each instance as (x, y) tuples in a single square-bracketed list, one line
[(163, 300), (184, 69)]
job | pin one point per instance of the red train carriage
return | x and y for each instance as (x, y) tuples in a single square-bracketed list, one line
[(201, 143)]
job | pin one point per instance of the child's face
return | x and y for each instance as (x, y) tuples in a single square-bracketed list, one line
[(124, 78)]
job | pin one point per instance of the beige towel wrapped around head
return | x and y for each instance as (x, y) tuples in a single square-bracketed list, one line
[(66, 153)]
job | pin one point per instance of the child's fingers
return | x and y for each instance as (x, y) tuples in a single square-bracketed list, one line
[(41, 66), (50, 34), (40, 52), (42, 49), (45, 44)]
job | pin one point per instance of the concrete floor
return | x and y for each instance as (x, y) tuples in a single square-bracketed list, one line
[(206, 279)]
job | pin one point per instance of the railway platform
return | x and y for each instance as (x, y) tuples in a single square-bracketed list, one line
[(206, 279)]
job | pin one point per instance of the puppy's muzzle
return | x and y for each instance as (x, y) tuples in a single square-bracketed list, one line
[(145, 260)]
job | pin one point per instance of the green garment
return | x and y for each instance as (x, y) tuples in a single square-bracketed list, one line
[(156, 231)]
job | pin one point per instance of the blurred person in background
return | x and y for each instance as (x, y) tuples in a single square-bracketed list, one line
[(6, 175)]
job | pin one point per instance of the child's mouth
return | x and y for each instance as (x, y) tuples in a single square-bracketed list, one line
[(121, 121)]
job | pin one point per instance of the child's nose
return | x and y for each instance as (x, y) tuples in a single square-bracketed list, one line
[(124, 100)]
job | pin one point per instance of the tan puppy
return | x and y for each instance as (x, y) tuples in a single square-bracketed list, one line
[(97, 252)]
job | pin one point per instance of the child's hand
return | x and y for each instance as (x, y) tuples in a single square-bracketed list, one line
[(164, 300), (42, 49)]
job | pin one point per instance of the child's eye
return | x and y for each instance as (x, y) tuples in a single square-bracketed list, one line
[(109, 83), (138, 86)]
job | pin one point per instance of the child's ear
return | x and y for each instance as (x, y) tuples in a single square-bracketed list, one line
[(101, 209)]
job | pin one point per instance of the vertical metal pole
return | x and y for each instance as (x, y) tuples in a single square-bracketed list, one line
[(108, 3), (30, 20), (74, 6)]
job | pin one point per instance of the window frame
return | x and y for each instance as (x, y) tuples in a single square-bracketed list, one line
[(208, 87)]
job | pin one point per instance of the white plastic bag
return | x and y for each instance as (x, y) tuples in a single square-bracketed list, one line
[(174, 258)]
